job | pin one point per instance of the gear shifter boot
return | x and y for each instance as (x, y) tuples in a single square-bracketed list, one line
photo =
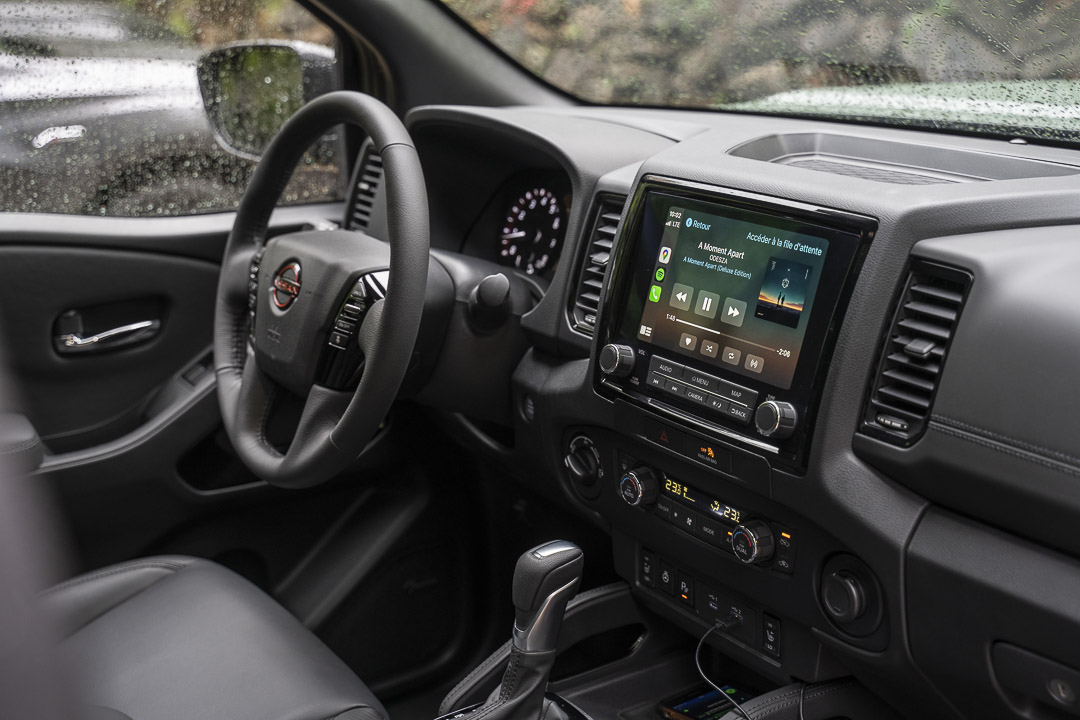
[(521, 694)]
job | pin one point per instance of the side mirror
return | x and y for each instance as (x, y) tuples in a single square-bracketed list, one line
[(249, 90)]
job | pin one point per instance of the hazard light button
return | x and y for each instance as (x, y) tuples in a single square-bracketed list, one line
[(665, 436)]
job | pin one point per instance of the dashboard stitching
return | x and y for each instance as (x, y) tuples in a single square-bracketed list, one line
[(267, 408), (1020, 444), (1017, 453)]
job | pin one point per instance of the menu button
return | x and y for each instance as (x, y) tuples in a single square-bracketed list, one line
[(701, 380)]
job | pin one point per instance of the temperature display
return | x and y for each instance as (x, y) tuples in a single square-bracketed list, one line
[(710, 505)]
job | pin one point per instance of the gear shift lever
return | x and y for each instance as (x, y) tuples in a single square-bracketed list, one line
[(545, 579)]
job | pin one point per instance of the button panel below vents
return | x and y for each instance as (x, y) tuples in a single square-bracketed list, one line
[(913, 357), (595, 263), (366, 181)]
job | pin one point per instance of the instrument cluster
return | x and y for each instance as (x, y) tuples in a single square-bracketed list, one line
[(531, 227)]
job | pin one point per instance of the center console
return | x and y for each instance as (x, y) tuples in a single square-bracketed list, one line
[(722, 310), (716, 328)]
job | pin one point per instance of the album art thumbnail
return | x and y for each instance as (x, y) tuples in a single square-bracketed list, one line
[(782, 297)]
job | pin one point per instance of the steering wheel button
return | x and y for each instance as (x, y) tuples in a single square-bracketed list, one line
[(351, 310), (344, 326), (339, 340)]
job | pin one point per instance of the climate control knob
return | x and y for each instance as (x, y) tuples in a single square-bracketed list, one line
[(776, 419), (616, 360), (583, 461), (752, 541), (639, 487)]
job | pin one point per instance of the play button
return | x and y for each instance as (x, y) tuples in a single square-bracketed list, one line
[(734, 312)]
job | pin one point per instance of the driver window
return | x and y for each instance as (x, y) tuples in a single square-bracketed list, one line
[(146, 108)]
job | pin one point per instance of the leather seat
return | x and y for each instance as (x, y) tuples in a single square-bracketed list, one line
[(176, 637)]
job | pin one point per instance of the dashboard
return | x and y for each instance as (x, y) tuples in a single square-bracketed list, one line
[(806, 375)]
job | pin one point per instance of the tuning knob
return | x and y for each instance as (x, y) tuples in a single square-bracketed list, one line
[(639, 487), (616, 360), (776, 419), (752, 542)]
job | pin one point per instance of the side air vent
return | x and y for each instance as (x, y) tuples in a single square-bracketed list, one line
[(605, 220), (366, 181), (914, 353)]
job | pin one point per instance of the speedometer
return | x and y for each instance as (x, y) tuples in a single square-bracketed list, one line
[(532, 231)]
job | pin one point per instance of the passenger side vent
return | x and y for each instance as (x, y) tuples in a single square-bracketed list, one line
[(594, 264), (366, 181), (914, 353)]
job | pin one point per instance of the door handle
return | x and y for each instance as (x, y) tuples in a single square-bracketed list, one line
[(75, 342)]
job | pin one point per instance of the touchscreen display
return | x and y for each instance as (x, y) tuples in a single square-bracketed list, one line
[(730, 287)]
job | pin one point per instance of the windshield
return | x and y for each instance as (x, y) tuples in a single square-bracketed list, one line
[(996, 66)]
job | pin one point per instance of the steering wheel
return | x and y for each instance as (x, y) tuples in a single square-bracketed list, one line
[(328, 316)]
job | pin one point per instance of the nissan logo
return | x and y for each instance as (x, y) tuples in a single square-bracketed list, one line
[(286, 285)]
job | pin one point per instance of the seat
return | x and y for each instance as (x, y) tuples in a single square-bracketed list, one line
[(176, 637)]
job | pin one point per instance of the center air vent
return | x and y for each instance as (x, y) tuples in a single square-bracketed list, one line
[(914, 353), (594, 264), (366, 181)]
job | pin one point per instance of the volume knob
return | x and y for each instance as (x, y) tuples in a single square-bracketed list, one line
[(616, 360)]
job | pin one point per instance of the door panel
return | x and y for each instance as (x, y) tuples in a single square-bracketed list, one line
[(85, 398), (124, 426)]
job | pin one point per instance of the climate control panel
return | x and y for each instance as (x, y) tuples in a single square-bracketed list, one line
[(751, 539)]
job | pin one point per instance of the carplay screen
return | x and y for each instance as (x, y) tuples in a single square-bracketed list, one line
[(730, 287)]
